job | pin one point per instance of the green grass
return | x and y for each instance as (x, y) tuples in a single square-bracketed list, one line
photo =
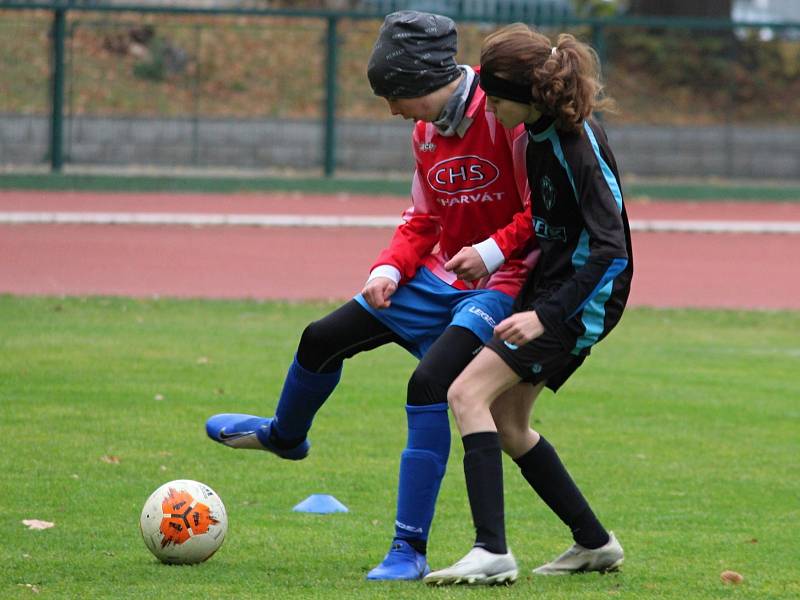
[(683, 429), (645, 190)]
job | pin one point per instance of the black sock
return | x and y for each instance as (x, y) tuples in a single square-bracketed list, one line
[(544, 471), (483, 469), (283, 444), (419, 545)]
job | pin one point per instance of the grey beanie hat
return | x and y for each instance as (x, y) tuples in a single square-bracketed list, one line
[(414, 55)]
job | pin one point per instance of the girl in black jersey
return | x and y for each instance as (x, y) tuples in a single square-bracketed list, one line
[(572, 299)]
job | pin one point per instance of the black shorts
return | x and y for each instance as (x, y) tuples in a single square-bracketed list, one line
[(543, 359)]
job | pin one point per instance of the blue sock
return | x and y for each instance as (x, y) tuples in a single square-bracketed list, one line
[(422, 467), (304, 392)]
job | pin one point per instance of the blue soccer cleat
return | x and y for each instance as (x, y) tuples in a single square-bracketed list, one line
[(402, 562), (248, 431)]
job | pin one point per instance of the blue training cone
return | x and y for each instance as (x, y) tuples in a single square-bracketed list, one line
[(321, 504)]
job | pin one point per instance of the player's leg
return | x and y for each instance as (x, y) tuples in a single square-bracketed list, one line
[(311, 378), (511, 413), (595, 549), (424, 460), (471, 397), (600, 551), (545, 360), (471, 316)]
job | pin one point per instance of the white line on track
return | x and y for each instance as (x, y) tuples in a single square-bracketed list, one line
[(199, 220), (280, 220)]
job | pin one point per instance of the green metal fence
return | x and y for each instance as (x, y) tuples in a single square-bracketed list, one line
[(71, 59)]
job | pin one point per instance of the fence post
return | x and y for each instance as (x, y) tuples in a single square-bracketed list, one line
[(331, 44), (599, 45), (599, 42), (57, 91), (198, 40)]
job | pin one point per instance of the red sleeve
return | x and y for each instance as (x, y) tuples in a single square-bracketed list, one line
[(419, 233), (517, 239)]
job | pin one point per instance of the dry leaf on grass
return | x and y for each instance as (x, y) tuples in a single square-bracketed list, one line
[(112, 460), (37, 524), (731, 577)]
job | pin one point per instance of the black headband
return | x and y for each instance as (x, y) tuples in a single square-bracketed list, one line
[(504, 88)]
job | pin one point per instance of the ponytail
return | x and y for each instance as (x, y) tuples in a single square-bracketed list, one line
[(564, 78)]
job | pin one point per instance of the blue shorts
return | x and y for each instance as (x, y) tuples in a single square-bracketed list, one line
[(424, 307)]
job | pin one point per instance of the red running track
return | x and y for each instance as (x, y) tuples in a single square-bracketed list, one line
[(671, 269)]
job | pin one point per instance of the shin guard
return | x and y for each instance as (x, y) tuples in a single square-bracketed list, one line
[(422, 467)]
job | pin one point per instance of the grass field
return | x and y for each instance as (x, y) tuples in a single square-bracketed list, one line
[(683, 429)]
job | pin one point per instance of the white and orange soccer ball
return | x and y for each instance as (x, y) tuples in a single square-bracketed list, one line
[(183, 522)]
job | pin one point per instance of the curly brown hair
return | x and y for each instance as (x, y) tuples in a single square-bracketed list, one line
[(564, 78)]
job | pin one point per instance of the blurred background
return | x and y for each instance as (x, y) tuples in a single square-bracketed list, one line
[(704, 89)]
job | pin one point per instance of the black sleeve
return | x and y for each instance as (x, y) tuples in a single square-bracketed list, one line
[(599, 197)]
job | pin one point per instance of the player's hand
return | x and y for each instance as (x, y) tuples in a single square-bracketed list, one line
[(520, 328), (467, 264), (378, 291)]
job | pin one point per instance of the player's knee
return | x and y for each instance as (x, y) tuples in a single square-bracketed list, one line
[(314, 349), (460, 400), (506, 420), (314, 334), (424, 388), (515, 437), (511, 436)]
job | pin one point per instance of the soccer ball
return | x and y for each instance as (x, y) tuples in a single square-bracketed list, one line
[(183, 522)]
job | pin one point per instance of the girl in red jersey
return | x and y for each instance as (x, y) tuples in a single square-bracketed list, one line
[(572, 299)]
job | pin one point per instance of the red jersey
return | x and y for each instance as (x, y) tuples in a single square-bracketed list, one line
[(466, 191)]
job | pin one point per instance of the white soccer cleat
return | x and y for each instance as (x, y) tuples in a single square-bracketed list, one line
[(580, 560), (478, 567)]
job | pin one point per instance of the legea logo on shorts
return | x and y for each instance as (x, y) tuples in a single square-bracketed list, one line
[(462, 174), (482, 314)]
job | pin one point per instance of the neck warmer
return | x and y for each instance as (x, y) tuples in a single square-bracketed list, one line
[(453, 112)]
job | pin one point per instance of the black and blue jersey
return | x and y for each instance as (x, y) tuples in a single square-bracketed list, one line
[(582, 280)]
